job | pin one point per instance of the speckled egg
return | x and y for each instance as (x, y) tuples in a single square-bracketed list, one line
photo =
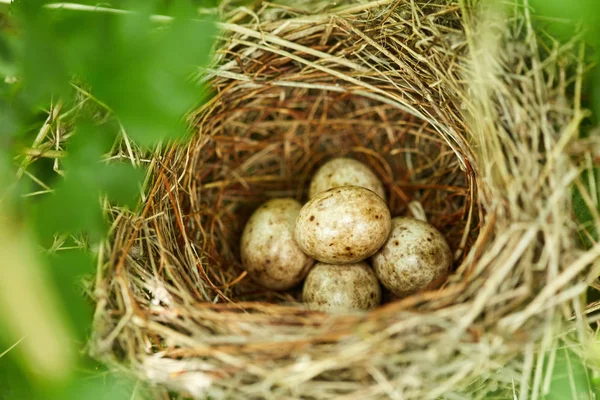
[(341, 288), (268, 250), (344, 172), (416, 256), (343, 225)]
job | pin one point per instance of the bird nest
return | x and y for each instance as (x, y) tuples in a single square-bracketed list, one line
[(459, 108)]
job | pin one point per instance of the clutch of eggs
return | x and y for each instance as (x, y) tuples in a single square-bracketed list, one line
[(345, 221)]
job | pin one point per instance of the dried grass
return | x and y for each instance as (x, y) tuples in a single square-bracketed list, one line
[(451, 105)]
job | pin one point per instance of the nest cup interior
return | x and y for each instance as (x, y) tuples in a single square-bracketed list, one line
[(260, 144)]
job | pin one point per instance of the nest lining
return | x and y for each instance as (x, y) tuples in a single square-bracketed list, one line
[(405, 89)]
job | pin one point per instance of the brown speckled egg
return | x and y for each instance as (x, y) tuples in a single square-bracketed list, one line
[(416, 256), (344, 172), (343, 225), (268, 250), (341, 288)]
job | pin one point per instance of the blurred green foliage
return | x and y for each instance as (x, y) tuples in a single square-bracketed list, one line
[(588, 233), (137, 75), (564, 20), (79, 194), (571, 379)]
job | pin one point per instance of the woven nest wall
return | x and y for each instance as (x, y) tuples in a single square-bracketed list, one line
[(462, 109)]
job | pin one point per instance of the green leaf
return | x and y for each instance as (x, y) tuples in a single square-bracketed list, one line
[(13, 383), (7, 56), (583, 213), (570, 378), (595, 91), (121, 183), (565, 16), (140, 71), (9, 118), (68, 268), (88, 384), (132, 67), (41, 61), (87, 146), (74, 206), (104, 386)]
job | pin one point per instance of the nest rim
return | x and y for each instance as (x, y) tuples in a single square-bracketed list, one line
[(428, 311)]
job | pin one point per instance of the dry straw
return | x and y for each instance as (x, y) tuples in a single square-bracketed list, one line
[(460, 107)]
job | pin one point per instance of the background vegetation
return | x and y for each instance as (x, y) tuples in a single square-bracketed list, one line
[(79, 89)]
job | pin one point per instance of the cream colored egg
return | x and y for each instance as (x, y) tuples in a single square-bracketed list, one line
[(344, 172), (341, 288), (343, 225), (416, 256), (268, 250)]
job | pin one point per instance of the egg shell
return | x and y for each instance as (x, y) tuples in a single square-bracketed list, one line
[(268, 250), (343, 225), (416, 256), (341, 288), (343, 171), (387, 296)]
